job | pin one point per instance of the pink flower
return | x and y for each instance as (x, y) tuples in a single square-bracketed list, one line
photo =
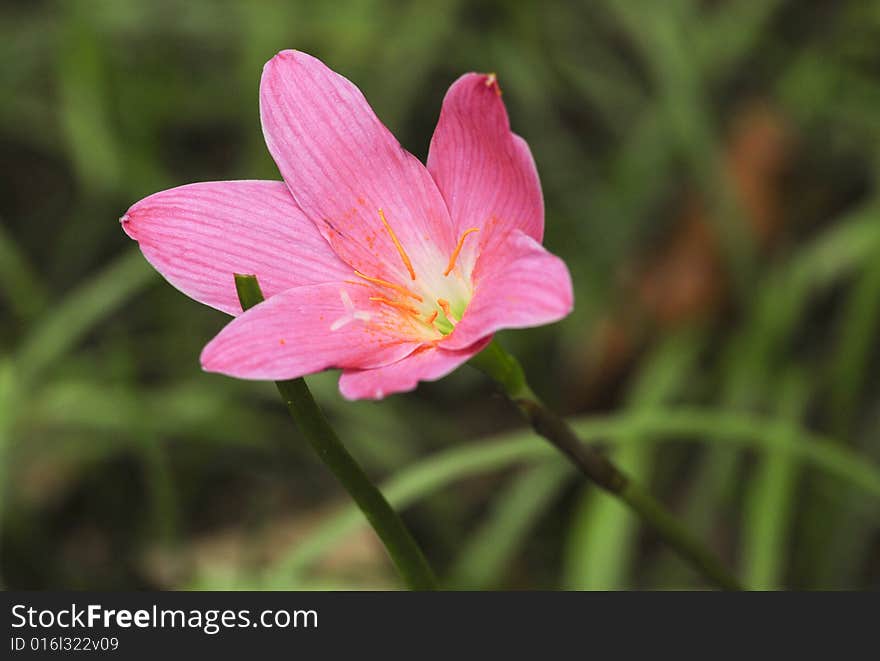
[(370, 262)]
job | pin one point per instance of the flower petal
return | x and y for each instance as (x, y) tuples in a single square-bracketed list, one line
[(305, 330), (484, 170), (343, 165), (199, 235), (518, 284), (425, 364)]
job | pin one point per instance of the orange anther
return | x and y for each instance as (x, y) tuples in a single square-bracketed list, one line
[(433, 317), (444, 304), (492, 81)]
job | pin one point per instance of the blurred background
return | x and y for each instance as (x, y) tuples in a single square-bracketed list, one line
[(710, 173)]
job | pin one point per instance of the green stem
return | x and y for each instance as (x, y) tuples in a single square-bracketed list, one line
[(404, 552), (506, 370)]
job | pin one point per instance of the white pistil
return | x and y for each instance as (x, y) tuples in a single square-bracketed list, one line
[(351, 314)]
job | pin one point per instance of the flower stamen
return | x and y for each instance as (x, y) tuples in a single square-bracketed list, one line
[(432, 318), (395, 304), (444, 305), (457, 250), (384, 283), (403, 255)]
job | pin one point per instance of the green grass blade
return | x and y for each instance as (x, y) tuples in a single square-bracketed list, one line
[(857, 339), (68, 321), (20, 284), (85, 117), (770, 500), (755, 353), (602, 544), (515, 510), (7, 415)]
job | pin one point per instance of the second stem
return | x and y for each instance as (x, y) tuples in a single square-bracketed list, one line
[(507, 372)]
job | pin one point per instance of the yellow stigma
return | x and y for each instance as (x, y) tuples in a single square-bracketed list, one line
[(457, 250), (403, 255), (384, 283)]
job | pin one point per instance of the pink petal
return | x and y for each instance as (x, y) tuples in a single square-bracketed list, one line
[(342, 165), (484, 170), (518, 284), (199, 235), (425, 364), (306, 330)]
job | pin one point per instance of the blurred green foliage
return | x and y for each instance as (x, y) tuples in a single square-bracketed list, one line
[(745, 392)]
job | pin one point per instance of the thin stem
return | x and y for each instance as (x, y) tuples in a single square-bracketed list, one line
[(506, 370), (404, 552)]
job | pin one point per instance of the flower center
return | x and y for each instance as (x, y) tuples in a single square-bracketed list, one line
[(431, 304)]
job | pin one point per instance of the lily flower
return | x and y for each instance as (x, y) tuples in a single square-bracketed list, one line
[(369, 261)]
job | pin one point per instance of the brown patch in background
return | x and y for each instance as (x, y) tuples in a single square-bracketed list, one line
[(683, 281)]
